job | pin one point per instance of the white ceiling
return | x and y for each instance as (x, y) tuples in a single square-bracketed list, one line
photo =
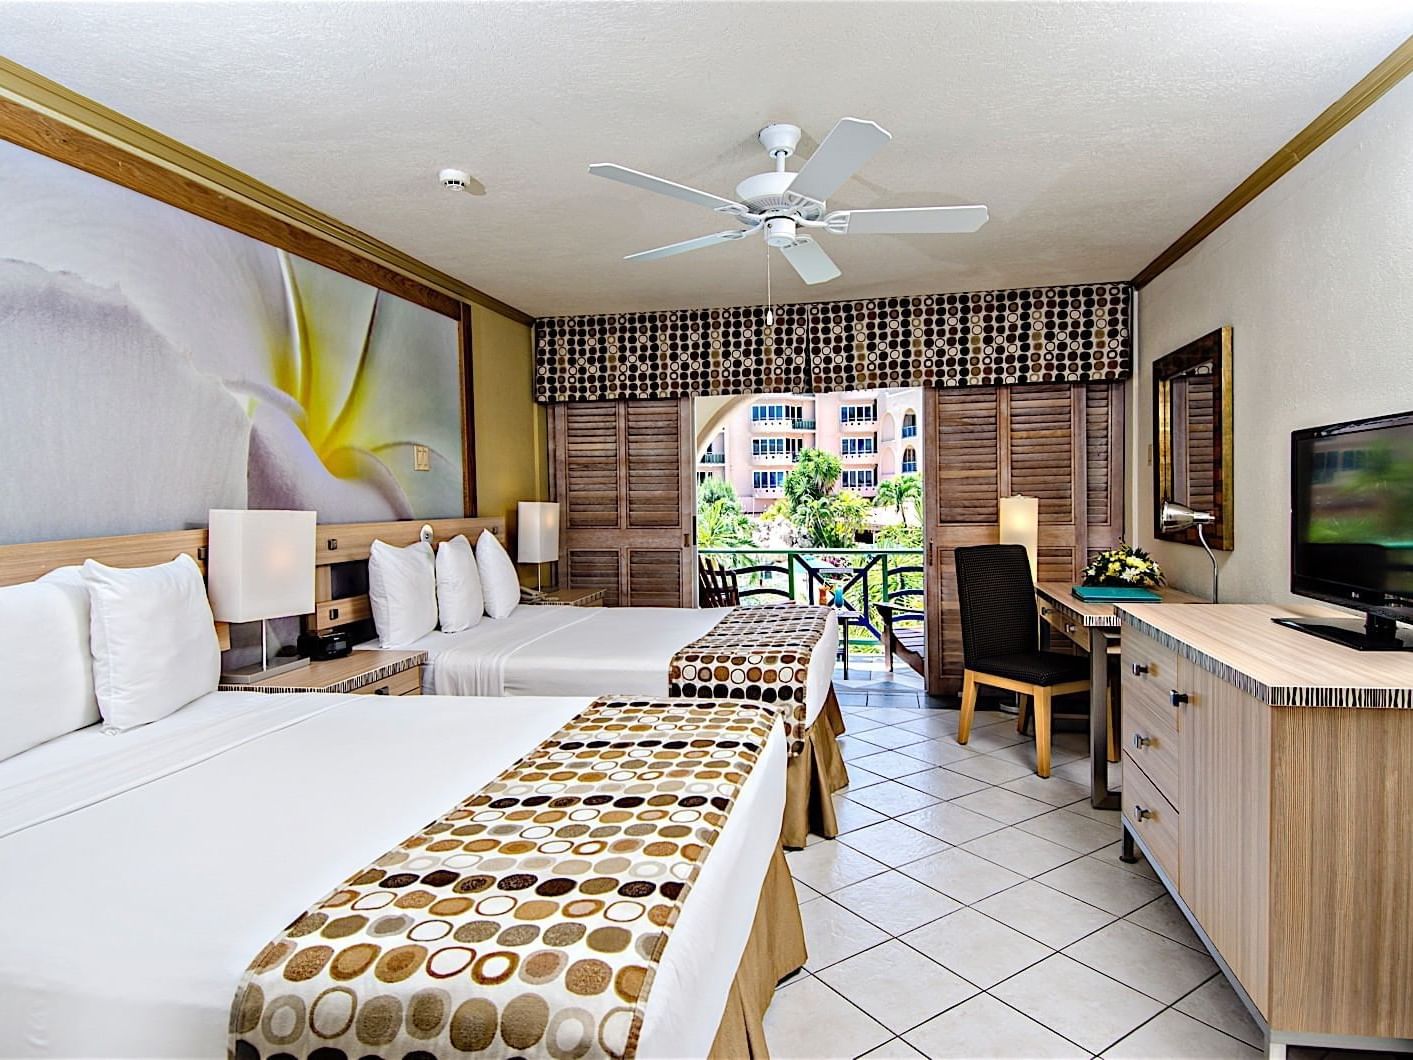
[(1095, 132)]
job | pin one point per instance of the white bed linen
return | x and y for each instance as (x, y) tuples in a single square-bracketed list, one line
[(586, 651), (143, 874)]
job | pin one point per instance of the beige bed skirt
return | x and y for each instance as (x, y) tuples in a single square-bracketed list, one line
[(812, 777), (776, 948)]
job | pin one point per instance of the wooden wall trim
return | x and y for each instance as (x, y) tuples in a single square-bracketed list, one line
[(43, 116), (1334, 118)]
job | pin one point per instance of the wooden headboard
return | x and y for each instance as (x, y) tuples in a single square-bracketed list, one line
[(351, 542), (25, 563)]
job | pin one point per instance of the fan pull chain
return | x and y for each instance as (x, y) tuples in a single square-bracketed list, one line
[(769, 304)]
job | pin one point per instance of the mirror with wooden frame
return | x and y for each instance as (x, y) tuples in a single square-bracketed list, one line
[(1192, 443)]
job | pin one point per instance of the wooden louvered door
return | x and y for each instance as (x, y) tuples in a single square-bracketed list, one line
[(1061, 444), (622, 473)]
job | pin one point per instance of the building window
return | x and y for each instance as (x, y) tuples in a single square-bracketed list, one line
[(767, 480), (851, 414), (864, 446), (771, 413), (910, 424), (858, 478), (775, 447), (909, 461)]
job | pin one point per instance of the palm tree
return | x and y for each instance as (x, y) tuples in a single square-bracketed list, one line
[(813, 477), (900, 492)]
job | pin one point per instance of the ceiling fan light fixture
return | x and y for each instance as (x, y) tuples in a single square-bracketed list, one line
[(780, 232)]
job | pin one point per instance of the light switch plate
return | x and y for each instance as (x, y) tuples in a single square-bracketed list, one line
[(421, 458)]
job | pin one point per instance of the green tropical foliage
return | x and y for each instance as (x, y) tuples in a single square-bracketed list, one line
[(813, 477), (720, 521), (902, 492)]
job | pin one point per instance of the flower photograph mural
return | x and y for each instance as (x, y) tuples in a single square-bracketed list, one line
[(168, 365)]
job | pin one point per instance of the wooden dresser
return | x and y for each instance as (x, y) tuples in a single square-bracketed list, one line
[(1268, 778)]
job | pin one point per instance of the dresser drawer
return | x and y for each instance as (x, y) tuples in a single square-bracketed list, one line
[(404, 683), (1150, 671), (1065, 626), (1150, 739), (1153, 818)]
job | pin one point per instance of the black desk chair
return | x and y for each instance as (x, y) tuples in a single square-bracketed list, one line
[(1001, 641)]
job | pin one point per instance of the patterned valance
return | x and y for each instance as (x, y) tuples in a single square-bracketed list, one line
[(1076, 334)]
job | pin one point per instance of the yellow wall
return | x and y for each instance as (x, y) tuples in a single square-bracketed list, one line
[(511, 441)]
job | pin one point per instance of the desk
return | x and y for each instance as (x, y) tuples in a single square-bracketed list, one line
[(1095, 627)]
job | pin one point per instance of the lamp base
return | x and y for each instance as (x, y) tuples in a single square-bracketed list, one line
[(255, 673)]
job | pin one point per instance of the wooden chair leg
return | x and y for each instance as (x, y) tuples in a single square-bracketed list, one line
[(1022, 711), (1113, 748), (1042, 732), (968, 706)]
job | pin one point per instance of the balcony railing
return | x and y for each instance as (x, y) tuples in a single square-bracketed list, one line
[(860, 577), (910, 430), (910, 467), (858, 423), (787, 457), (802, 425), (712, 458), (860, 454)]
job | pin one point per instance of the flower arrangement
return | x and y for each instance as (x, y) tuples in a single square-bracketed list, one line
[(1124, 565)]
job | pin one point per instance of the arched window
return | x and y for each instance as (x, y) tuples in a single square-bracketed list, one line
[(909, 461), (910, 424)]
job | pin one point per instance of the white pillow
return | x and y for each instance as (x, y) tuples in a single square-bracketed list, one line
[(46, 672), (153, 639), (402, 587), (459, 600), (499, 581)]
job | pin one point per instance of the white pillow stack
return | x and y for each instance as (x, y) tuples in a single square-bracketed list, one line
[(499, 581), (46, 670), (153, 640), (402, 589), (460, 602)]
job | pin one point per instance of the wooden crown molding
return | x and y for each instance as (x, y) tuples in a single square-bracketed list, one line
[(86, 123), (1334, 118)]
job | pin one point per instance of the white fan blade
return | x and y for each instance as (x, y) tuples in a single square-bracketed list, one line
[(809, 259), (850, 144), (665, 187), (689, 244), (919, 220)]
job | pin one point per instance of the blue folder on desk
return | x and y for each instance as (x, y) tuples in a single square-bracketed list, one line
[(1116, 594)]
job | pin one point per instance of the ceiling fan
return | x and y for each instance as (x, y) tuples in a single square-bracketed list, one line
[(781, 203)]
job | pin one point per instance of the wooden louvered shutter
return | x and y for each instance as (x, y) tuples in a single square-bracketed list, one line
[(622, 472), (1061, 444)]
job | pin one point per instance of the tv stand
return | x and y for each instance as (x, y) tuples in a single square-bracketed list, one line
[(1378, 633)]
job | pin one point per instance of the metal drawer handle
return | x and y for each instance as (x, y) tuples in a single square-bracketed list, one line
[(383, 691), (1069, 627), (1139, 669), (1140, 741), (1141, 813), (1044, 612), (1177, 698)]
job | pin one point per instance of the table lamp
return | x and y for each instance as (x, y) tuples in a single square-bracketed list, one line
[(259, 566), (1020, 525), (1177, 516), (538, 535)]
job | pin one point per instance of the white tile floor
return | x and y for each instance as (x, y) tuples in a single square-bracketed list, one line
[(970, 909)]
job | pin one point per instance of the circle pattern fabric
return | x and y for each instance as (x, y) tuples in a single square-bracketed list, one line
[(531, 917), (1071, 334)]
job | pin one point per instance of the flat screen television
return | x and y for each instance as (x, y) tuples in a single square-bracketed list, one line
[(1351, 526)]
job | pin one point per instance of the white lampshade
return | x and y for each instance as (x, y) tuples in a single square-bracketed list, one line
[(260, 564), (1020, 525), (538, 532)]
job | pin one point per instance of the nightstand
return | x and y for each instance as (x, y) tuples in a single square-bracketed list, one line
[(566, 598), (364, 673)]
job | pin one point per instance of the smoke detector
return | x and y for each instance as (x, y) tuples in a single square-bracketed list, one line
[(454, 179)]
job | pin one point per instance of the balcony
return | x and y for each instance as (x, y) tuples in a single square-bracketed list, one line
[(712, 458), (863, 576), (802, 425), (767, 491), (910, 467), (775, 458), (909, 430), (860, 456), (869, 423)]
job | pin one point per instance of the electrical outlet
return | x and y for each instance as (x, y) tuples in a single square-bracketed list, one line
[(421, 458)]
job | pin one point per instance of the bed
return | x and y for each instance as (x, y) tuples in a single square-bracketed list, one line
[(552, 651), (256, 805)]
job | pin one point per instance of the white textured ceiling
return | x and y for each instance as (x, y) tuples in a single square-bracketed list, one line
[(1095, 132)]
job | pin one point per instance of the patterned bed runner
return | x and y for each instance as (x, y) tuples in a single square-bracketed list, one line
[(755, 653), (527, 921)]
